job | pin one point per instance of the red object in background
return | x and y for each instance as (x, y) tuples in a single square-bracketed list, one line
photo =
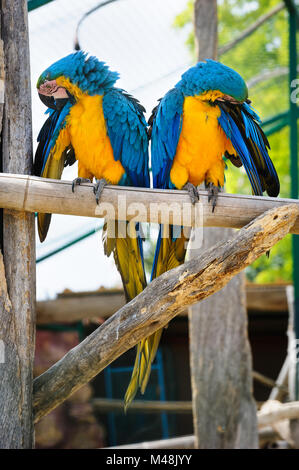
[(72, 425)]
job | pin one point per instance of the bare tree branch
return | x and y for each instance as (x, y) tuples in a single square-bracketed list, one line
[(253, 27)]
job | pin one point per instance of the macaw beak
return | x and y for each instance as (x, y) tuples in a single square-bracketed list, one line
[(48, 88), (52, 103), (53, 95), (48, 101), (52, 89), (228, 98)]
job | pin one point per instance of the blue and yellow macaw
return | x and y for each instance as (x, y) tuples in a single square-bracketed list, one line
[(205, 119), (103, 127)]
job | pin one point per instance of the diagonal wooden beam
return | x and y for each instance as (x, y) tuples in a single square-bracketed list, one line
[(163, 299), (251, 29)]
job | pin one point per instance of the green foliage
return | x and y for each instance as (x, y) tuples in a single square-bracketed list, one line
[(264, 50)]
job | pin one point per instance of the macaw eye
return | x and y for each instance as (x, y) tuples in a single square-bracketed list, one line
[(42, 79)]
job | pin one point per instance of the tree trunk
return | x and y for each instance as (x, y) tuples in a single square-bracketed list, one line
[(17, 319), (224, 412), (205, 28)]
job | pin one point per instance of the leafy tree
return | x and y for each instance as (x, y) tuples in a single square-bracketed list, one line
[(265, 50)]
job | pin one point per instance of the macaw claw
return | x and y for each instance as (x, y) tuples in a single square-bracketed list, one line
[(192, 191), (212, 194), (78, 181), (98, 188)]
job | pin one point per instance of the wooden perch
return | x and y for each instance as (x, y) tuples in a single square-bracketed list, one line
[(106, 405), (33, 194), (268, 382), (182, 442), (188, 442), (163, 299)]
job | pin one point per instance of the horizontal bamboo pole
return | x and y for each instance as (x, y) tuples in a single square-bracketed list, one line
[(105, 405), (182, 442), (284, 411), (268, 382), (266, 434), (33, 194), (163, 299)]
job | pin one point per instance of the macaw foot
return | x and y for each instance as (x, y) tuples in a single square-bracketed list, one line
[(98, 188), (212, 194), (78, 181), (192, 191)]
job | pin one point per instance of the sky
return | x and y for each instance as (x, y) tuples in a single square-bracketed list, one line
[(135, 38)]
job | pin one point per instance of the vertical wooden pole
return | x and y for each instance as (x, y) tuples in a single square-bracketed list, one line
[(224, 412), (17, 312), (2, 77), (206, 29)]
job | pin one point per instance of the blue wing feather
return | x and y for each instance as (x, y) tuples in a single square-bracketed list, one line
[(44, 164), (241, 125), (48, 135), (126, 129), (227, 122), (166, 129)]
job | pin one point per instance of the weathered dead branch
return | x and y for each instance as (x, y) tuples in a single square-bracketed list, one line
[(162, 300)]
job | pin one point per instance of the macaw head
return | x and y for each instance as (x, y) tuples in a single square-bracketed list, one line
[(74, 75), (212, 76)]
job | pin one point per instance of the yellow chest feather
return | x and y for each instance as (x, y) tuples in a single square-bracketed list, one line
[(88, 136), (201, 146)]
